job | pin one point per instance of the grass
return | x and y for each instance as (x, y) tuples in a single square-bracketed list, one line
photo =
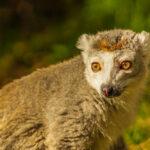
[(138, 135)]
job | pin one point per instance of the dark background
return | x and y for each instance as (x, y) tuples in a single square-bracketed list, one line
[(37, 33)]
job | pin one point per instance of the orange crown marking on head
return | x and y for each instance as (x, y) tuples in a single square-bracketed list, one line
[(104, 45)]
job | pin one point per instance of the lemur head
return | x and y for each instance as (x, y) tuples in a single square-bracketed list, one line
[(114, 60)]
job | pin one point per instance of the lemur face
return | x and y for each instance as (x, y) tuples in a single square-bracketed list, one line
[(115, 60), (111, 73)]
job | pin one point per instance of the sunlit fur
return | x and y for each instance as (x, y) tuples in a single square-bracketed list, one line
[(61, 107)]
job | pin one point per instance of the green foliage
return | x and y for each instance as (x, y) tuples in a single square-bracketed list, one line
[(140, 131), (37, 34)]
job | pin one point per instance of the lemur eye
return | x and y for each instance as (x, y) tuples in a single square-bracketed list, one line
[(126, 65), (96, 66)]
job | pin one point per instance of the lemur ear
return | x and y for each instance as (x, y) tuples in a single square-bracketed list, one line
[(84, 42), (144, 39)]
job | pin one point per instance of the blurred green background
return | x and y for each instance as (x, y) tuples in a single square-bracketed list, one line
[(36, 33)]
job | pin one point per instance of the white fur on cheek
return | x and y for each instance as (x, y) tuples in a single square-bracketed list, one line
[(96, 80)]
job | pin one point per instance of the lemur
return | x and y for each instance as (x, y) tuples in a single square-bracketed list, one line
[(84, 103)]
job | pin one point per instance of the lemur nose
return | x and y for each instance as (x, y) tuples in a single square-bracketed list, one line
[(107, 91)]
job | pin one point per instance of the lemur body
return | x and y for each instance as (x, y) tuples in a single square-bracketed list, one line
[(81, 104)]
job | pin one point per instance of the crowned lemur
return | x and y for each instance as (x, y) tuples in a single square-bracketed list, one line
[(84, 103)]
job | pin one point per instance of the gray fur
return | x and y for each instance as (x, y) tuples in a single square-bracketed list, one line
[(56, 108)]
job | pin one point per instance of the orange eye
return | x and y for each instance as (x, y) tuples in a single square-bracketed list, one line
[(96, 67), (126, 65)]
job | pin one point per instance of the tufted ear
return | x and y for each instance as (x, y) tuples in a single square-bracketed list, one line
[(84, 42), (144, 40)]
